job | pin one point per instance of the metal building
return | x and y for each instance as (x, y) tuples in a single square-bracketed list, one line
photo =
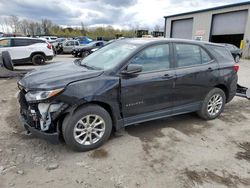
[(224, 24)]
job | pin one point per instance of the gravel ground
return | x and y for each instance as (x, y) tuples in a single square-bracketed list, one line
[(177, 152)]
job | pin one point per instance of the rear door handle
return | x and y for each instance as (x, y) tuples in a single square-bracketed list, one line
[(167, 76)]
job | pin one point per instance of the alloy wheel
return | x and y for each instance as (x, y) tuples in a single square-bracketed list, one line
[(89, 129), (214, 105)]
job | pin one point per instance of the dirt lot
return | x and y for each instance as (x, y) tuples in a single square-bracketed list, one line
[(182, 151)]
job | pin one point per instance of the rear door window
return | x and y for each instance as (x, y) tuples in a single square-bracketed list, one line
[(190, 55), (205, 57), (70, 43), (21, 42)]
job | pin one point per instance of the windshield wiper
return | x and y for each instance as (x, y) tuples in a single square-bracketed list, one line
[(78, 62), (90, 67)]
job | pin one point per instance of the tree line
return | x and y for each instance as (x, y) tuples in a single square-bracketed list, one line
[(26, 27)]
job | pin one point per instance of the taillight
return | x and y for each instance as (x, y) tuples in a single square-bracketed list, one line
[(236, 68), (49, 46)]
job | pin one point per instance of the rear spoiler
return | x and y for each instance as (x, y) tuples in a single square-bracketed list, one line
[(243, 92)]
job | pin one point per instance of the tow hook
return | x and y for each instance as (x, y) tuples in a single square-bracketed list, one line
[(243, 92)]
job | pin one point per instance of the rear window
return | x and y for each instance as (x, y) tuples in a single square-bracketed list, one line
[(221, 52)]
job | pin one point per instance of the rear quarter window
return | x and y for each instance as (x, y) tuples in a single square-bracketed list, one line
[(220, 52)]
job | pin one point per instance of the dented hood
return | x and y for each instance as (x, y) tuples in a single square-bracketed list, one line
[(56, 75)]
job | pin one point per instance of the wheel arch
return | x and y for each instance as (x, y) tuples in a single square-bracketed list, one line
[(36, 53), (225, 89), (115, 124)]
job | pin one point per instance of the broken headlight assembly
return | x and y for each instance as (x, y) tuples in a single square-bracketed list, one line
[(34, 96)]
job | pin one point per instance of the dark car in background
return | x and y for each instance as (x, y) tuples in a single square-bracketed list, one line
[(84, 39), (235, 51), (84, 51), (58, 45), (126, 82)]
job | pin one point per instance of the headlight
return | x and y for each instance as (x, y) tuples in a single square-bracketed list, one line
[(41, 95)]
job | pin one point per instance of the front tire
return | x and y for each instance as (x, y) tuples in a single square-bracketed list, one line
[(7, 61), (38, 59), (213, 104), (88, 128)]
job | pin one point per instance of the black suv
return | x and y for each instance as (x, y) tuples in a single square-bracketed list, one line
[(235, 51), (129, 81)]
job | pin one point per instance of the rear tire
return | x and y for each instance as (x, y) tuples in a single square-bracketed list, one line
[(85, 54), (38, 59), (7, 61), (213, 104), (88, 128)]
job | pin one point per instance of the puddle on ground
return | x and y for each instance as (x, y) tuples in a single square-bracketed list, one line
[(3, 101), (98, 154), (227, 179), (246, 154)]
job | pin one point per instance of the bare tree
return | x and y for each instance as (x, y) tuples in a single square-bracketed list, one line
[(14, 22), (38, 27), (2, 24), (24, 24), (46, 25), (7, 24), (157, 28)]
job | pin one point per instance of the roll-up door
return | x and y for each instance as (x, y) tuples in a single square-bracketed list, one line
[(182, 29), (229, 23)]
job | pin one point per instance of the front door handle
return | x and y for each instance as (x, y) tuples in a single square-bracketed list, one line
[(210, 69)]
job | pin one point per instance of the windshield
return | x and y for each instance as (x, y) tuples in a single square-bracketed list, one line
[(109, 56)]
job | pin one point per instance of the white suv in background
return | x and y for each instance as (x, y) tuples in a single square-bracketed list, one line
[(49, 38), (25, 50)]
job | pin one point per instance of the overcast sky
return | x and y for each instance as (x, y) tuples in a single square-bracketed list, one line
[(118, 13)]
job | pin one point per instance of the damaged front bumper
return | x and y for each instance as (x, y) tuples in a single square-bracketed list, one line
[(51, 137), (41, 119)]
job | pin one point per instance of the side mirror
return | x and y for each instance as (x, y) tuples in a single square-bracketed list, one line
[(132, 69)]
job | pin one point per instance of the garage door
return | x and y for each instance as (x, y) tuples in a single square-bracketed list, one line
[(182, 29), (229, 23)]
